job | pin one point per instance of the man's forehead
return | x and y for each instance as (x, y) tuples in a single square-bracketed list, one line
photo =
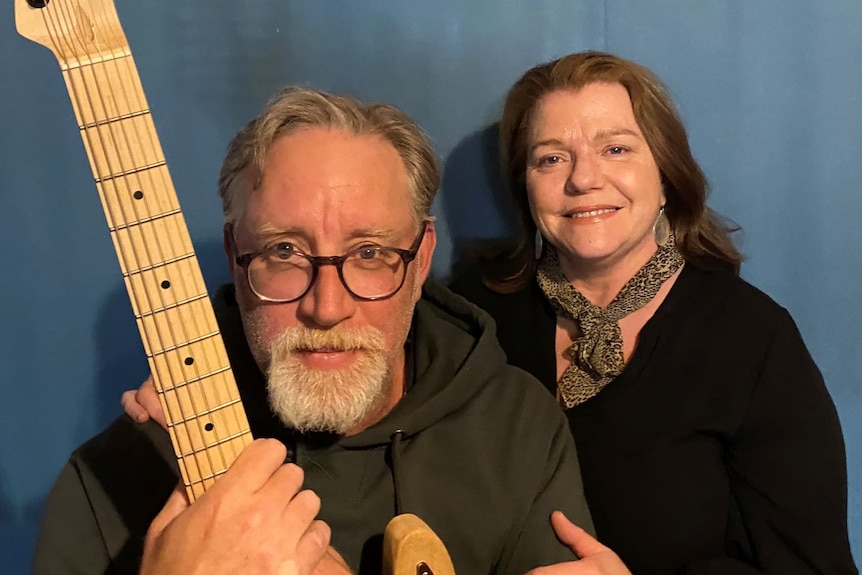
[(331, 157), (321, 179), (378, 230), (314, 139)]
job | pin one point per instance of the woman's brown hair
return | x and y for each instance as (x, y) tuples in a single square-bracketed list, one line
[(702, 236)]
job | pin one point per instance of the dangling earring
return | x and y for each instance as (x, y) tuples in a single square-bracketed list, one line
[(538, 244), (661, 228)]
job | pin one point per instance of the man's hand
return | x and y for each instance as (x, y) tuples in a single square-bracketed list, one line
[(143, 403), (595, 558), (332, 564), (254, 520)]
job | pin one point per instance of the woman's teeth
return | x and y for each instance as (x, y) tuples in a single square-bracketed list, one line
[(592, 213)]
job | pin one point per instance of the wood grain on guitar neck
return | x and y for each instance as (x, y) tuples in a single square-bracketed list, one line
[(186, 355)]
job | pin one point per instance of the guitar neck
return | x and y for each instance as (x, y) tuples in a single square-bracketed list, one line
[(185, 351)]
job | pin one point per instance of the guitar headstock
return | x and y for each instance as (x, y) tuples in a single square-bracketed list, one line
[(76, 31)]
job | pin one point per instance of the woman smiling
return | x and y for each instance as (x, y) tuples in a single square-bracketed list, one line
[(706, 436)]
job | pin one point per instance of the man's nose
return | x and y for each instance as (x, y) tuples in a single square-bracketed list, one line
[(328, 302)]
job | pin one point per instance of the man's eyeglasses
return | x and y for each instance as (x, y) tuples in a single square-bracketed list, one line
[(283, 274)]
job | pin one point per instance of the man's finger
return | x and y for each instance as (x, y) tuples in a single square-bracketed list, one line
[(575, 538), (334, 555), (284, 483), (312, 546), (253, 467), (301, 510)]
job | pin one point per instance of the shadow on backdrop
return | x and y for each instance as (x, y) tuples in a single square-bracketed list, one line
[(18, 528), (479, 213)]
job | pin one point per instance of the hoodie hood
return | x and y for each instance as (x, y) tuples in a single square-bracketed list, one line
[(455, 351), (478, 449)]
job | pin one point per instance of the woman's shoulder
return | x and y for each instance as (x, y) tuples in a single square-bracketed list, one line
[(724, 293)]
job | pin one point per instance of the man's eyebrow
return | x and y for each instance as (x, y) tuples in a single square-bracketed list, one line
[(268, 230), (375, 232)]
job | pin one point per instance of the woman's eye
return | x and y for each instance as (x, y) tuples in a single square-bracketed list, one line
[(616, 150), (550, 160)]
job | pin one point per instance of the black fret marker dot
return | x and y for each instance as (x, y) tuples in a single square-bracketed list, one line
[(138, 195), (209, 426), (166, 284), (189, 360)]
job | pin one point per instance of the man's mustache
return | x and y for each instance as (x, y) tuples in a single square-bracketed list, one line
[(298, 339)]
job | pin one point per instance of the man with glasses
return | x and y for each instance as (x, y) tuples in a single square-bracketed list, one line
[(391, 398)]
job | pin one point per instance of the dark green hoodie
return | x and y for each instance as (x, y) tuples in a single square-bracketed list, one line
[(476, 448)]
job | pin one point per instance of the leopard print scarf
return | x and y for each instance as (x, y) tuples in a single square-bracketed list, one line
[(597, 355)]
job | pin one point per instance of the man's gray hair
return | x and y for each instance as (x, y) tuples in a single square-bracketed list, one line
[(295, 108)]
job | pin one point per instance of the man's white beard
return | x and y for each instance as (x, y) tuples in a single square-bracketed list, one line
[(334, 400)]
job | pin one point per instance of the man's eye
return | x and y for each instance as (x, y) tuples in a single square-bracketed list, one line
[(283, 251), (369, 253)]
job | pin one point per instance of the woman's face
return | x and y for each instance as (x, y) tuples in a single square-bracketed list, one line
[(593, 184)]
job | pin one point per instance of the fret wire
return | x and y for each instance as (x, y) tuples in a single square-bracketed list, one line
[(129, 172), (189, 342), (107, 121), (165, 233), (205, 478), (76, 97), (170, 306), (209, 338), (174, 293), (195, 379), (182, 323), (215, 444), (145, 220), (191, 398), (119, 157), (93, 61), (95, 72), (207, 412), (119, 195), (159, 265), (86, 134)]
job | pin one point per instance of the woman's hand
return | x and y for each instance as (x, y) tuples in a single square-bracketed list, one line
[(594, 558), (143, 403)]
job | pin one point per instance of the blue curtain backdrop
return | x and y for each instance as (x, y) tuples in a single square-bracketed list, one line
[(770, 91)]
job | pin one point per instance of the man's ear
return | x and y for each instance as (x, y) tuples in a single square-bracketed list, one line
[(227, 244), (426, 252)]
